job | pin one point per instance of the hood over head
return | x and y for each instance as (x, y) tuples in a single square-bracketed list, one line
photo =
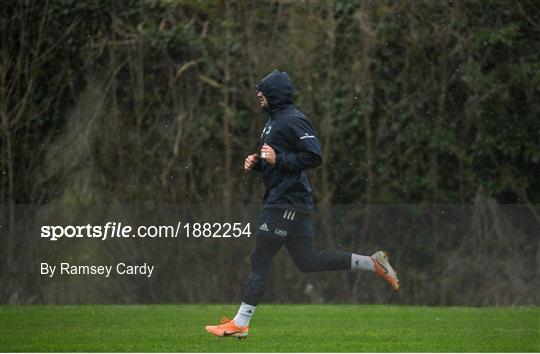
[(277, 88)]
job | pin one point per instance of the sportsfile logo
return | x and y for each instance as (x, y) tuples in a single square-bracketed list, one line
[(116, 230)]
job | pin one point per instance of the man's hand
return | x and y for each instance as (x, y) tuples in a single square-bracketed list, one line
[(268, 154), (250, 162)]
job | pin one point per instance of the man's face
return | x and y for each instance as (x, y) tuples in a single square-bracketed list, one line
[(263, 102)]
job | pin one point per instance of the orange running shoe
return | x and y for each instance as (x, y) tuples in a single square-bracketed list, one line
[(227, 328), (384, 269)]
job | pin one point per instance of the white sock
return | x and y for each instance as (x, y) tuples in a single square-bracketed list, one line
[(244, 315), (359, 262)]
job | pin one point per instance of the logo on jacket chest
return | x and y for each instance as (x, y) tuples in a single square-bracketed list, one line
[(266, 131)]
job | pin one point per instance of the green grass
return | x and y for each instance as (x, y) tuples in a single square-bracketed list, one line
[(276, 328)]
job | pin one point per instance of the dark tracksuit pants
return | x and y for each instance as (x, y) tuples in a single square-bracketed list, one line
[(297, 235)]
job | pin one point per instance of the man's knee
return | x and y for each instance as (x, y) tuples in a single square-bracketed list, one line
[(307, 263)]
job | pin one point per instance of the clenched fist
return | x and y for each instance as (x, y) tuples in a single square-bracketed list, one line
[(268, 154), (250, 161)]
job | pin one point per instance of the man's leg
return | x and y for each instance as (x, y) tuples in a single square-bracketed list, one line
[(261, 256), (307, 259), (302, 251)]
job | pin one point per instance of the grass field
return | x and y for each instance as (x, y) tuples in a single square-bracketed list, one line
[(281, 328)]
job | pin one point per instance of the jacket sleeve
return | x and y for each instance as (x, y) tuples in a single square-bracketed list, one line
[(308, 149)]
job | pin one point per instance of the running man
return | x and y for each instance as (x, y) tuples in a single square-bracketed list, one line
[(289, 147)]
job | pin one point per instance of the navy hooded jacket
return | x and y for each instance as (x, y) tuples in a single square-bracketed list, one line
[(297, 148)]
